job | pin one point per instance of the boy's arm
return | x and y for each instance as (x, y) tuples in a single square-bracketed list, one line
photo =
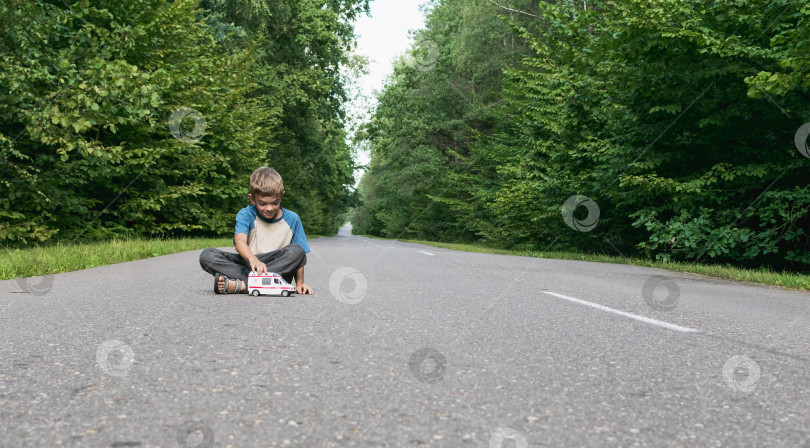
[(300, 286), (240, 241)]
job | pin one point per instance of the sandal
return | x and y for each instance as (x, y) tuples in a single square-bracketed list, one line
[(227, 284)]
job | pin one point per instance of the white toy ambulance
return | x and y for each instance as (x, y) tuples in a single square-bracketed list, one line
[(271, 284)]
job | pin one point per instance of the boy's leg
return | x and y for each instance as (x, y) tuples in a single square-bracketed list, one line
[(285, 261), (229, 264)]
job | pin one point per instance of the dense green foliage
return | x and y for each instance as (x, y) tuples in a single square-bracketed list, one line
[(676, 118), (87, 89)]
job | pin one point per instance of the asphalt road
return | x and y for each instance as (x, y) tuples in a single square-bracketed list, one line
[(403, 345)]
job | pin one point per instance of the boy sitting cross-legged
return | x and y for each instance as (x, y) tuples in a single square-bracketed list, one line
[(268, 238)]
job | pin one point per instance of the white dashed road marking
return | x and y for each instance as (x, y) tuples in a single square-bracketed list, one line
[(648, 320)]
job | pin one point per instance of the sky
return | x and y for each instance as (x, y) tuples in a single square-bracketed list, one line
[(383, 37)]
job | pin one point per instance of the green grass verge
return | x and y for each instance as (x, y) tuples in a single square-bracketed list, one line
[(60, 257), (787, 280)]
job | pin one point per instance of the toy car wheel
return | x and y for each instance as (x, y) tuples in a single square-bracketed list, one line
[(255, 293), (285, 293)]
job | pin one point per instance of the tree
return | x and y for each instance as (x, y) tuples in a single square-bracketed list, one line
[(675, 118), (87, 90)]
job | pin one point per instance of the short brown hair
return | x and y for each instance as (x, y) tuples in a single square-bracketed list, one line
[(266, 182)]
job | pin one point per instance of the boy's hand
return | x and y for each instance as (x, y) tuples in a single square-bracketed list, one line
[(257, 266), (303, 288), (240, 241)]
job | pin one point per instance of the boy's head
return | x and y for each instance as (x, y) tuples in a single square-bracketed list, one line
[(266, 191), (266, 182)]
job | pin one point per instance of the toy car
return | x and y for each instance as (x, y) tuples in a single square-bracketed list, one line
[(271, 284)]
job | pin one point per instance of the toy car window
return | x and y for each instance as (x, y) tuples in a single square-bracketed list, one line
[(267, 281), (275, 280)]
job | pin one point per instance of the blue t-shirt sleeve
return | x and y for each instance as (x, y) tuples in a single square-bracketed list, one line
[(244, 221), (299, 237)]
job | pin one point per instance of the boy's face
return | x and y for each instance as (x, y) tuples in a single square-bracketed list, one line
[(267, 206)]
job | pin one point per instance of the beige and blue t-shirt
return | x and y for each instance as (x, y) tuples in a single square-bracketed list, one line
[(265, 235)]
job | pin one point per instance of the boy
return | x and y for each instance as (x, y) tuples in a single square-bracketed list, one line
[(268, 238)]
